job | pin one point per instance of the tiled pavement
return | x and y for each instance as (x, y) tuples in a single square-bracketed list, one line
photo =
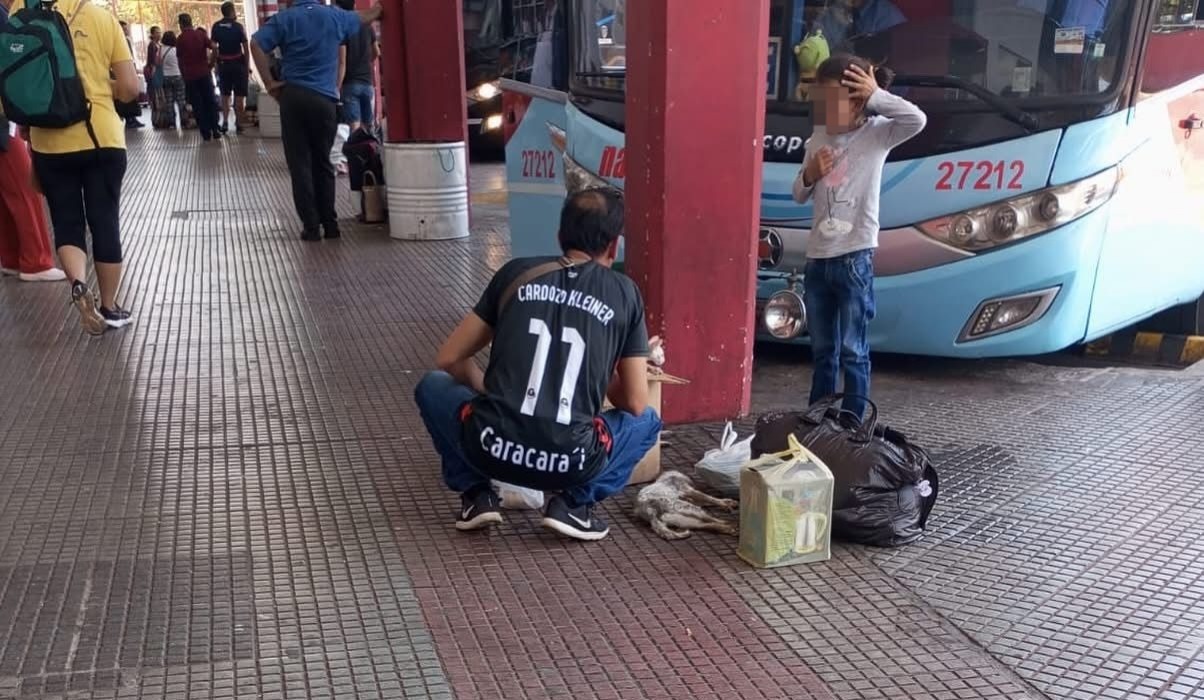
[(233, 498)]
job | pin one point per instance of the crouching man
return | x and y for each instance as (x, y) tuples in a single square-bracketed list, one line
[(566, 334)]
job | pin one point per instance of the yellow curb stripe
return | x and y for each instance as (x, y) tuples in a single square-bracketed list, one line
[(494, 197), (1147, 345), (1193, 350)]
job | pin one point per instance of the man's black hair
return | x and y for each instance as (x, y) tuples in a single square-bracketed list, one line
[(185, 20), (228, 10), (154, 29), (346, 4), (591, 220)]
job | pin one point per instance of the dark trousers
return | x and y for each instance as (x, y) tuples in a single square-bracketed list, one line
[(308, 122), (204, 106), (83, 193)]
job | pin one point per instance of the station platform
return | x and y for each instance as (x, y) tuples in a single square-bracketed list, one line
[(235, 498)]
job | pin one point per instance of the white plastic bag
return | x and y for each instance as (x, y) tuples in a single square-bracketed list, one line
[(337, 159), (720, 468), (517, 497)]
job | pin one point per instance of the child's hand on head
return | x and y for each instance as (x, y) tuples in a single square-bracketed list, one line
[(860, 83)]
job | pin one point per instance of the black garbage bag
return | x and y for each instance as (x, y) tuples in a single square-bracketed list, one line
[(885, 485)]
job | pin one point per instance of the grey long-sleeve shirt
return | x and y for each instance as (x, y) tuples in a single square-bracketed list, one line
[(846, 199)]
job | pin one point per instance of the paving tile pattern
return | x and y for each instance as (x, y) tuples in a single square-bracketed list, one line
[(234, 498), (1066, 540)]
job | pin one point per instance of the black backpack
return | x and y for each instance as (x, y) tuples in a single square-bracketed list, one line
[(40, 84)]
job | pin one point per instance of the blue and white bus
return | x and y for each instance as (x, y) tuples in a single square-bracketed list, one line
[(1056, 195)]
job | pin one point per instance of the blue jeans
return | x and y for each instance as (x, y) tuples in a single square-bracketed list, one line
[(357, 103), (839, 294), (440, 397)]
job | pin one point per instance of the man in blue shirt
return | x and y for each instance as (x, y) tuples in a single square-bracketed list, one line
[(309, 35)]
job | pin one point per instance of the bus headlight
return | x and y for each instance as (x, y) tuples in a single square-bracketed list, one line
[(1021, 217), (492, 123), (995, 316), (785, 316), (484, 92)]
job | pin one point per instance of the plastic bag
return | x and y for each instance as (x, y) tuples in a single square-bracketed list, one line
[(785, 508), (517, 497), (886, 485), (720, 468), (337, 159)]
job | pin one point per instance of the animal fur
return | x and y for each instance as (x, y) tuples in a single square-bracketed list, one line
[(674, 508)]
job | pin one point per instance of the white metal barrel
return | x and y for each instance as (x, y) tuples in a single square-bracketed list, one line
[(269, 116), (427, 186)]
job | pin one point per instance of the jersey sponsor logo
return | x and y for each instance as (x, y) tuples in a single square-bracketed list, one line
[(577, 300), (520, 455)]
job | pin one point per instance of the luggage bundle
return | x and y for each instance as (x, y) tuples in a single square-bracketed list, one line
[(885, 485)]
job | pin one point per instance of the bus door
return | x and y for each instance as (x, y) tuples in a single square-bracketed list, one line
[(1153, 254)]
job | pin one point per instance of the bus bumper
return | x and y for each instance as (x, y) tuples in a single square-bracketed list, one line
[(926, 312)]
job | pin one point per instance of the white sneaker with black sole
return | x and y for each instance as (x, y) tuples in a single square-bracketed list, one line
[(580, 523), (478, 510)]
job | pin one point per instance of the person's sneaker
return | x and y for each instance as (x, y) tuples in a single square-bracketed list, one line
[(579, 523), (116, 317), (311, 236), (52, 275), (9, 272), (225, 128), (332, 231), (479, 509), (91, 320)]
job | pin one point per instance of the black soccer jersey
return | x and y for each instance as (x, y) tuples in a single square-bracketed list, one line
[(555, 348)]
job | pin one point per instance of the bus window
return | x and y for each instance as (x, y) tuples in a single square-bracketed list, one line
[(599, 36), (1175, 47)]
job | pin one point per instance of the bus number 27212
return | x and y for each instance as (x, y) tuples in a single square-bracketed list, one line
[(540, 165), (981, 175)]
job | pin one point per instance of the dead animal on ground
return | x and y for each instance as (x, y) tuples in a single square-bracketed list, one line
[(674, 508)]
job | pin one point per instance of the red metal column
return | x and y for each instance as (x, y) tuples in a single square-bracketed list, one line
[(393, 79), (696, 77), (434, 57)]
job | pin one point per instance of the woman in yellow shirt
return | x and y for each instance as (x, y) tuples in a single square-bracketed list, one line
[(81, 179)]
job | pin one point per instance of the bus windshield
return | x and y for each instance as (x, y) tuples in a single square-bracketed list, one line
[(1024, 51)]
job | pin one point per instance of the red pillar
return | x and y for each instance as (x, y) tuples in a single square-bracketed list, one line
[(696, 75), (434, 57), (393, 80)]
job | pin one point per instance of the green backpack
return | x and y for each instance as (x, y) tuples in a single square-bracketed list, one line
[(40, 84)]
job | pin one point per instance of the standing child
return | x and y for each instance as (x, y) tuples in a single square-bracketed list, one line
[(857, 124)]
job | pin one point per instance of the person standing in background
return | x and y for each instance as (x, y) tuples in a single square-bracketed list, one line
[(233, 66), (309, 35), (175, 94), (359, 76), (196, 65), (130, 111), (80, 169)]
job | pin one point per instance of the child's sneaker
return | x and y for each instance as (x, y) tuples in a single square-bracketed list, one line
[(91, 320), (116, 317)]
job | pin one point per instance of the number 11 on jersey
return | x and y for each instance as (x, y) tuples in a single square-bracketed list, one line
[(539, 365)]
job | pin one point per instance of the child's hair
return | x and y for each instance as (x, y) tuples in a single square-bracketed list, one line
[(834, 67)]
